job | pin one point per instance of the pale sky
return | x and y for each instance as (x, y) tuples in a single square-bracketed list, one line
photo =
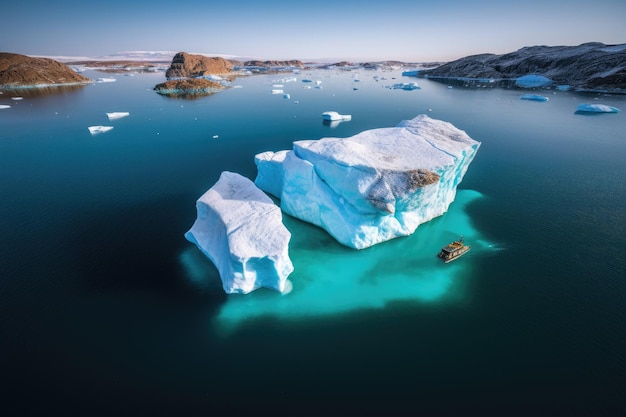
[(411, 31)]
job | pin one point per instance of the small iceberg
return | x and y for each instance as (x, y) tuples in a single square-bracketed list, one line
[(595, 108), (533, 97), (99, 129), (405, 86), (105, 80), (17, 98), (287, 96), (277, 91), (333, 116), (533, 81), (4, 106), (117, 115)]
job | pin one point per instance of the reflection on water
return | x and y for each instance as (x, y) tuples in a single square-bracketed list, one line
[(45, 91)]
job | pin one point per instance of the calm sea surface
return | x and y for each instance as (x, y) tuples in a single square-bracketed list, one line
[(106, 309)]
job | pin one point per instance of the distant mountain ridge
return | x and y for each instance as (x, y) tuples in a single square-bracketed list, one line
[(592, 65)]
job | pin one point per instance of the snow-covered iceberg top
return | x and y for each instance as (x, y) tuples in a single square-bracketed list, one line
[(374, 186), (240, 229), (596, 108)]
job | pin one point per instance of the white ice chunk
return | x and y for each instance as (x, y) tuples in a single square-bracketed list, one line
[(333, 116), (240, 229), (277, 91), (117, 115), (99, 129), (374, 186), (105, 80), (4, 106)]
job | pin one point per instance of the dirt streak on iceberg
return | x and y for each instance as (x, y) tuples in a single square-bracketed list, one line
[(377, 185)]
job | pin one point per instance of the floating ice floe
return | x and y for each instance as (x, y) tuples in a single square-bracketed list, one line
[(277, 91), (375, 186), (99, 129), (240, 229), (333, 116), (4, 106), (533, 97), (117, 115), (405, 86), (287, 96), (106, 80), (596, 108), (17, 98), (533, 81)]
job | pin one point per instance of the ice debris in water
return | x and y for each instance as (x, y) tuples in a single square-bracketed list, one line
[(333, 116), (99, 129), (117, 115)]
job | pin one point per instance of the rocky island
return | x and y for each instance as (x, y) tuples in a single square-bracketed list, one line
[(195, 75), (589, 66), (21, 71)]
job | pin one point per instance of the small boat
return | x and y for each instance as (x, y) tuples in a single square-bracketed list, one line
[(453, 250)]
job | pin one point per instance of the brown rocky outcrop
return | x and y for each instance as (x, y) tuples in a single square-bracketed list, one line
[(294, 63), (186, 65), (23, 71), (189, 86)]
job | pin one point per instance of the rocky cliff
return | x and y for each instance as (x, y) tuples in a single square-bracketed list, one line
[(186, 65), (294, 63), (588, 66), (23, 71)]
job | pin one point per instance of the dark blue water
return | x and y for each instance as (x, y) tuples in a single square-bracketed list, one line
[(105, 308)]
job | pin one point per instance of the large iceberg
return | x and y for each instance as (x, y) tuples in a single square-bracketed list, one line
[(374, 186), (240, 229)]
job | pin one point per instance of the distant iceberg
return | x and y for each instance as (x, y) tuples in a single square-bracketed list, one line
[(533, 81), (534, 97), (410, 73), (117, 115), (405, 86), (333, 116), (99, 129), (105, 80), (377, 185), (240, 229), (4, 106), (596, 108), (277, 91)]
